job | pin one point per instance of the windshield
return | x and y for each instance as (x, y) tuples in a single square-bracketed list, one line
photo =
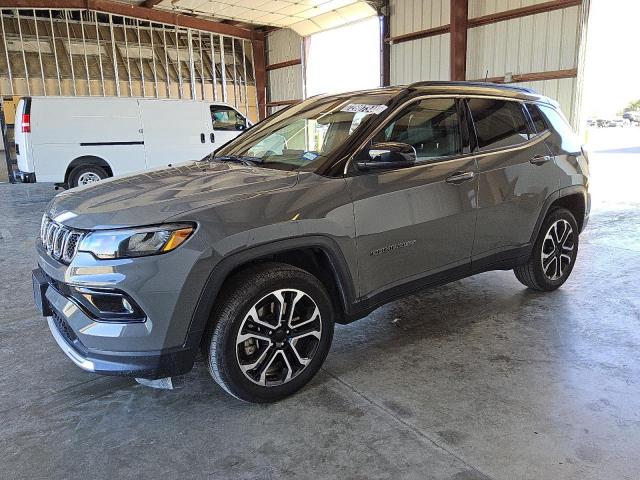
[(305, 133)]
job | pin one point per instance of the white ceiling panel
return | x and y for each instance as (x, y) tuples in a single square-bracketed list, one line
[(303, 16)]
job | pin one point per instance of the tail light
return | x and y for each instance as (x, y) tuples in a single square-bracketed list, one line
[(26, 123)]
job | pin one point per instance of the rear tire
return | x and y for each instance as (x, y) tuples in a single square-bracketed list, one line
[(86, 175), (270, 333), (554, 253)]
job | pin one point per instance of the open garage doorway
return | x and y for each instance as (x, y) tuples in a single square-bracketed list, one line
[(611, 97), (611, 120), (344, 59)]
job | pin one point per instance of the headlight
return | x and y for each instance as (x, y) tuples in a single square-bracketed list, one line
[(135, 242)]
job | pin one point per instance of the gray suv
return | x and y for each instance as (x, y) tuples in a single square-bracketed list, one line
[(319, 214)]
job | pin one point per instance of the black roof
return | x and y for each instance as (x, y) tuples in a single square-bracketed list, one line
[(500, 86)]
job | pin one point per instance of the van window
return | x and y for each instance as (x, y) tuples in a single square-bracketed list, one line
[(431, 126), (536, 118), (499, 123), (226, 118)]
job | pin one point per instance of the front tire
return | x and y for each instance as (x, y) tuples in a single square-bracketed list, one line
[(270, 333), (554, 253)]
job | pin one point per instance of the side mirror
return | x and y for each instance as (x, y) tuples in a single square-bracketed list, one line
[(240, 126), (388, 156)]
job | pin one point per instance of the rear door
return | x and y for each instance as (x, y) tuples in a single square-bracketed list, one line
[(174, 131), (517, 172)]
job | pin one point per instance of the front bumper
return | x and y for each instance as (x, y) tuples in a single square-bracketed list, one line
[(148, 365), (162, 345)]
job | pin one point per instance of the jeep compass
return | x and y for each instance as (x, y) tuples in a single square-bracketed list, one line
[(319, 214)]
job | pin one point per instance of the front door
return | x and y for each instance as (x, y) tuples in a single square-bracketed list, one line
[(227, 124), (419, 220)]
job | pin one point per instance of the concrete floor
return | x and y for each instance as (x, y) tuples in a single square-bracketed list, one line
[(478, 379)]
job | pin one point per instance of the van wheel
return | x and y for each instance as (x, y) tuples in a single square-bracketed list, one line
[(270, 333), (86, 174), (554, 253)]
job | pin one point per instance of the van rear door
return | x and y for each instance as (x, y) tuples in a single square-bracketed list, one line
[(22, 131), (174, 131)]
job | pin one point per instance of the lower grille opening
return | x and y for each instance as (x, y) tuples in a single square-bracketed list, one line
[(64, 328)]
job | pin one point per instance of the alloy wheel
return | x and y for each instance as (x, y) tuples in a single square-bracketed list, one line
[(557, 249), (278, 337)]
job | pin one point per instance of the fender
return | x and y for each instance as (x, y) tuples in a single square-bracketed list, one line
[(563, 192), (228, 264)]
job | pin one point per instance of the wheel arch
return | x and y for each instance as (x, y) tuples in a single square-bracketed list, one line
[(572, 198), (318, 255), (92, 160)]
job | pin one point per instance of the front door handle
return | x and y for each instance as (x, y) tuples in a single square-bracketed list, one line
[(541, 159), (460, 177), (212, 137)]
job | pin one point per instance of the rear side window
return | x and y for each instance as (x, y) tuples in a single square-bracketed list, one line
[(499, 123), (558, 121), (226, 118), (431, 126), (536, 118)]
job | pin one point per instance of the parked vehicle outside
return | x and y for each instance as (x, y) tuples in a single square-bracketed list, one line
[(80, 140), (318, 215)]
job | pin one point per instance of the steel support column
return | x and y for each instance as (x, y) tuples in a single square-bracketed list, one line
[(458, 51), (260, 74)]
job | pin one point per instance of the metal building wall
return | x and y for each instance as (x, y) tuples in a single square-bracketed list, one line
[(422, 59), (545, 42), (83, 52), (284, 84)]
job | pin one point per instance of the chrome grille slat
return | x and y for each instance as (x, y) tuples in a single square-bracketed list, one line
[(59, 241)]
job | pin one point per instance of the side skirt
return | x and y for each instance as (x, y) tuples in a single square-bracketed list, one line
[(500, 261)]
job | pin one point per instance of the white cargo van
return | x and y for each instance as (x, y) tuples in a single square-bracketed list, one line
[(79, 140)]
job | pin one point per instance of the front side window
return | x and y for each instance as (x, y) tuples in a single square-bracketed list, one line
[(307, 132), (226, 118), (431, 126), (498, 123)]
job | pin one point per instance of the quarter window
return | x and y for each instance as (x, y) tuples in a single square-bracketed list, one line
[(499, 123), (226, 118), (431, 126), (536, 118)]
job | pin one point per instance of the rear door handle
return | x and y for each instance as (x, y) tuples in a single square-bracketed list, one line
[(460, 177), (202, 138), (541, 159), (212, 137)]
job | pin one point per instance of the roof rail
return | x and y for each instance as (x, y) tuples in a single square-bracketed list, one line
[(441, 83)]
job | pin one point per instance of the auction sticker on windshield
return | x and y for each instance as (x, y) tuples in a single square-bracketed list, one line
[(364, 108)]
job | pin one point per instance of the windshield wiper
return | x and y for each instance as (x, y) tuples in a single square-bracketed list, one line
[(250, 161)]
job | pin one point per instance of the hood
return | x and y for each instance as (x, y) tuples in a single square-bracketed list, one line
[(155, 195)]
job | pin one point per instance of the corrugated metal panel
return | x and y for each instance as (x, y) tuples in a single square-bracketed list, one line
[(424, 59), (283, 45), (284, 83), (537, 43), (562, 90), (409, 16), (479, 8)]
